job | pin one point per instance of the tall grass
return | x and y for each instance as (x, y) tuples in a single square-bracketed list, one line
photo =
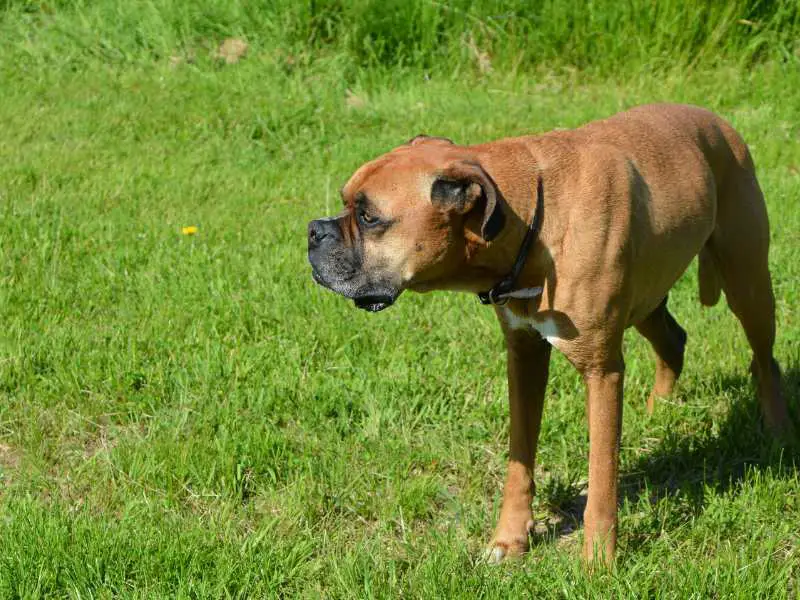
[(603, 35)]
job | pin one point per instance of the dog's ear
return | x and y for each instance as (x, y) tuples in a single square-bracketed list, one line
[(465, 186), (422, 138)]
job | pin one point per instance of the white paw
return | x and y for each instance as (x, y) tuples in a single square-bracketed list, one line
[(497, 555), (494, 555)]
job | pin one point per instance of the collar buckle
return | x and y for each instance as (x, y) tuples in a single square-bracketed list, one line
[(498, 298), (493, 297)]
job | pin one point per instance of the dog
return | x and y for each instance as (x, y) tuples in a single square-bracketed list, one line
[(572, 236)]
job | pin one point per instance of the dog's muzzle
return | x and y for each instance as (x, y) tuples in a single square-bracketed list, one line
[(338, 267)]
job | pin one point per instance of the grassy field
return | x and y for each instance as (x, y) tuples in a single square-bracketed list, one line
[(190, 416)]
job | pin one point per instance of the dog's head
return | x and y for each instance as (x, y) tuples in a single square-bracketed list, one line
[(412, 219)]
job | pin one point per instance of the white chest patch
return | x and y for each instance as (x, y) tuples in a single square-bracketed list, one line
[(546, 327)]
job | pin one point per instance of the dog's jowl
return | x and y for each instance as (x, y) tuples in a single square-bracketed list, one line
[(573, 236)]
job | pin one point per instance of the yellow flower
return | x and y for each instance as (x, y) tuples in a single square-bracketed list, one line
[(189, 230)]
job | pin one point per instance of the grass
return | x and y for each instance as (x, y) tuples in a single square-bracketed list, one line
[(190, 416), (463, 35)]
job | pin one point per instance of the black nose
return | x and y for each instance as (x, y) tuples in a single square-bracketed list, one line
[(319, 230)]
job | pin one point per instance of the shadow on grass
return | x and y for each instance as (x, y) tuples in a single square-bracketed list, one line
[(685, 465)]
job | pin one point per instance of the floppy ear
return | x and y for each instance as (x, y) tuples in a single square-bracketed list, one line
[(422, 138), (465, 186)]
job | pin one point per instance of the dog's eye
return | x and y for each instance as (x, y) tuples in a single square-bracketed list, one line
[(366, 219)]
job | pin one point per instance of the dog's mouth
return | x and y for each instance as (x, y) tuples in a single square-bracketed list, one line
[(374, 303), (367, 299)]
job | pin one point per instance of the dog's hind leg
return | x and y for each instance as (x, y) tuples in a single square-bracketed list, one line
[(668, 340), (739, 246)]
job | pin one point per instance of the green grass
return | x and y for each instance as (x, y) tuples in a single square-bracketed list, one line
[(190, 416), (463, 35)]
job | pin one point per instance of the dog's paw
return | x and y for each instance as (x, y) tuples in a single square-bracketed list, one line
[(508, 545), (494, 555), (497, 552)]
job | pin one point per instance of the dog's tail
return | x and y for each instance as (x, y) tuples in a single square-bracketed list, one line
[(709, 276)]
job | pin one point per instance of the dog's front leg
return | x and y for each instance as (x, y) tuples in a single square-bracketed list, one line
[(604, 412), (528, 362)]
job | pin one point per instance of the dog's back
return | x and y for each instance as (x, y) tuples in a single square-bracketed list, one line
[(690, 178)]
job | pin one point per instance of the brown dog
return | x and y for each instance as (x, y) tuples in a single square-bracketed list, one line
[(621, 206)]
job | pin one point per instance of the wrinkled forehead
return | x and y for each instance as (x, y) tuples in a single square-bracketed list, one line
[(404, 174)]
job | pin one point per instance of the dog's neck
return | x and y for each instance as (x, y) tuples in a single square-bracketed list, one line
[(523, 215), (500, 256)]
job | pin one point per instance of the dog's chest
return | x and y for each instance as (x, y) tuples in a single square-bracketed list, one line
[(546, 327)]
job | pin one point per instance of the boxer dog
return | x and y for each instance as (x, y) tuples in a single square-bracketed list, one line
[(572, 236)]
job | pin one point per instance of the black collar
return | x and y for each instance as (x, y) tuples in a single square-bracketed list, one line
[(504, 289)]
